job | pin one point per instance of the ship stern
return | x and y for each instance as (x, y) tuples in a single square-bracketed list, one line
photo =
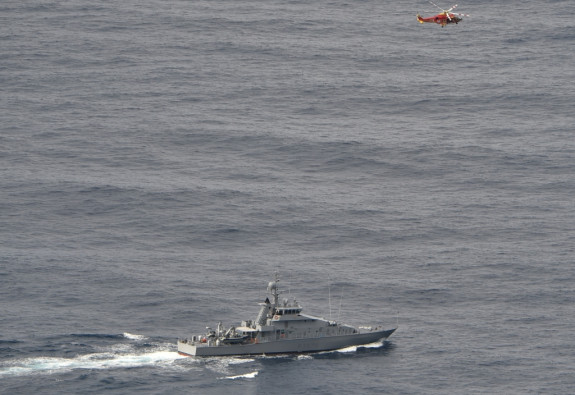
[(186, 349)]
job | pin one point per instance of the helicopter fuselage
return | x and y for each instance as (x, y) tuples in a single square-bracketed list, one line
[(442, 19)]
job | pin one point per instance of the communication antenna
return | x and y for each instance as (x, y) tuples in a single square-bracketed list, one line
[(329, 295), (340, 302)]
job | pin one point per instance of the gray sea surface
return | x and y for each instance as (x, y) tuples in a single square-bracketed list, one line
[(160, 161)]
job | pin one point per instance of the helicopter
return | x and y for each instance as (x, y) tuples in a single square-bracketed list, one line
[(444, 17)]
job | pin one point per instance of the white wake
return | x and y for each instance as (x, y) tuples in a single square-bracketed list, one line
[(377, 344), (243, 376), (49, 365)]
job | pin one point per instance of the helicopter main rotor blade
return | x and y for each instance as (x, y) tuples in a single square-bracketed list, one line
[(452, 8), (436, 5)]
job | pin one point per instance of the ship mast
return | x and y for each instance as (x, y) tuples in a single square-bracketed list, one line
[(267, 308), (273, 289)]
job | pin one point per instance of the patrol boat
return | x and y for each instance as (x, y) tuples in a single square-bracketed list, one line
[(280, 328)]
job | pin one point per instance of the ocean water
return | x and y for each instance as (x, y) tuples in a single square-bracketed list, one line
[(160, 161)]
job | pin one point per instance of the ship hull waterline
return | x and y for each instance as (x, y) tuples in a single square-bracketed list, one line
[(285, 346)]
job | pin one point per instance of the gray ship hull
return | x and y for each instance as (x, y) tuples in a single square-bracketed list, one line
[(284, 346)]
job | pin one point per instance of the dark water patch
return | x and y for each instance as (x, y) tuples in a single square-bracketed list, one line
[(97, 336), (5, 342)]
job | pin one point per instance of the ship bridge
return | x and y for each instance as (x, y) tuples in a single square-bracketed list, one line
[(288, 310)]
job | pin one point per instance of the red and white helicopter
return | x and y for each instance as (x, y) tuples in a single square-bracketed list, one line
[(444, 17)]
